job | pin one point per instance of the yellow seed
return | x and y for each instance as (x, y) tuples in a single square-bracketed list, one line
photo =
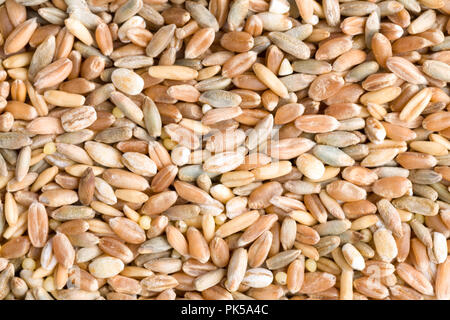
[(169, 144), (49, 284), (220, 219), (117, 113), (49, 148), (281, 277), (144, 222), (420, 218), (367, 235), (181, 225), (310, 265), (28, 264)]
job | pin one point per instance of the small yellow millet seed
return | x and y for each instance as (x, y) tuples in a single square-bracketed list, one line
[(181, 225), (366, 235), (169, 144), (118, 113), (281, 278), (310, 265), (420, 218), (145, 222), (49, 148), (28, 264)]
